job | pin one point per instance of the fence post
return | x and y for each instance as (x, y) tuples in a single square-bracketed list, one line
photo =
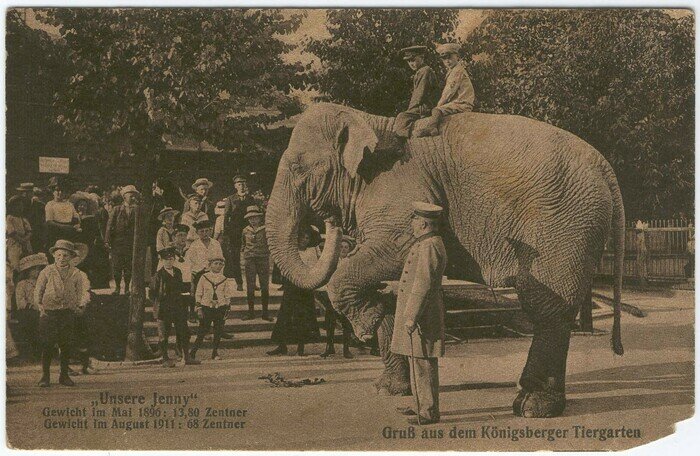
[(641, 253)]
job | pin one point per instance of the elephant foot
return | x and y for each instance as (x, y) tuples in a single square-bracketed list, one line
[(389, 384), (539, 404)]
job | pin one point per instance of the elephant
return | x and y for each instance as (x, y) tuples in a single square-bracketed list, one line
[(526, 205)]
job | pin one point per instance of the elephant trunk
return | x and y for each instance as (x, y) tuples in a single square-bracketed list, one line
[(283, 218)]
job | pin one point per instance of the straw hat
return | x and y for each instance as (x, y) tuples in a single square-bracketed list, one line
[(167, 210), (202, 181), (129, 189), (32, 261), (62, 244)]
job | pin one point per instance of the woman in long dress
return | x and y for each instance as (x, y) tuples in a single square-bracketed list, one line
[(296, 322)]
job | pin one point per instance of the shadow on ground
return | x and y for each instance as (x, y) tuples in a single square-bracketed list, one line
[(673, 381)]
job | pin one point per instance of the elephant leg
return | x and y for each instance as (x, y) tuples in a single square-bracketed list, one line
[(352, 289), (553, 314), (394, 380), (543, 379)]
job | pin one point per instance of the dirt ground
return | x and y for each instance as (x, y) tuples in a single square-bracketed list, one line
[(645, 391)]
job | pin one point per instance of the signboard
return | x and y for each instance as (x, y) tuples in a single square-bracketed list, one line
[(54, 165)]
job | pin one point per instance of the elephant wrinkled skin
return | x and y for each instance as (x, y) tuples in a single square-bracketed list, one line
[(526, 205)]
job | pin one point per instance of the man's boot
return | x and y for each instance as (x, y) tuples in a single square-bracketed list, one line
[(45, 381), (330, 350), (265, 315), (167, 362), (64, 379), (87, 369), (251, 312), (189, 359)]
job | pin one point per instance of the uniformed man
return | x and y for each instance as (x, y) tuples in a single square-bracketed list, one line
[(419, 331), (426, 91), (234, 222), (458, 94)]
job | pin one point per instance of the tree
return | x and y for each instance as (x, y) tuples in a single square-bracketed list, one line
[(621, 79), (360, 61), (204, 74), (34, 64)]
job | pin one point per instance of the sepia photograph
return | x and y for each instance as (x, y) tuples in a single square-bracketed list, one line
[(348, 229)]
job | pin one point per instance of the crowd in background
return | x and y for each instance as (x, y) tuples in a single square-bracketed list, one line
[(201, 253)]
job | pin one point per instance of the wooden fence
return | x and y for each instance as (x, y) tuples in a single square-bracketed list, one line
[(656, 250)]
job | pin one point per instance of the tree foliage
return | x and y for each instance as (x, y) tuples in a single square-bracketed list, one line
[(203, 74), (361, 65), (623, 80), (35, 65)]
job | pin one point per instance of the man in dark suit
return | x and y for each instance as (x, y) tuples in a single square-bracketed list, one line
[(234, 222), (119, 237)]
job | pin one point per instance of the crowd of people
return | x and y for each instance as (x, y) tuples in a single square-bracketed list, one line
[(202, 254)]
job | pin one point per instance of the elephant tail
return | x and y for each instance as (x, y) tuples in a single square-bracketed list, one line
[(618, 242)]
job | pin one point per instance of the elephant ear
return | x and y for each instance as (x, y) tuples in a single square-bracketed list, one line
[(355, 136)]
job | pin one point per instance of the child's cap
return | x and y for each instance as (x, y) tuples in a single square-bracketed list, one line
[(167, 253), (194, 196), (181, 228), (201, 224)]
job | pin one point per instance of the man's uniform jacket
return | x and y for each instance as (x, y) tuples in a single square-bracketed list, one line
[(420, 299)]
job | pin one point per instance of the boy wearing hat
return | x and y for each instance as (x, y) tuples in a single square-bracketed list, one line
[(27, 312), (458, 94), (165, 236), (420, 327), (256, 257), (192, 215), (119, 237), (168, 296), (425, 90), (202, 187), (235, 211), (214, 297), (61, 289)]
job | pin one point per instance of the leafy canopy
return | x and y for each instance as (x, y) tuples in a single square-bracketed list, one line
[(360, 61), (204, 74), (623, 80)]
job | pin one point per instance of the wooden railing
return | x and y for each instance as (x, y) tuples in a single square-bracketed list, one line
[(656, 250)]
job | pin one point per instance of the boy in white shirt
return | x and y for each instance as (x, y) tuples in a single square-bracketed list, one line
[(214, 297), (198, 252)]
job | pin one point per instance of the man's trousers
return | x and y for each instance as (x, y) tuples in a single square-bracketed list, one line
[(426, 384)]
